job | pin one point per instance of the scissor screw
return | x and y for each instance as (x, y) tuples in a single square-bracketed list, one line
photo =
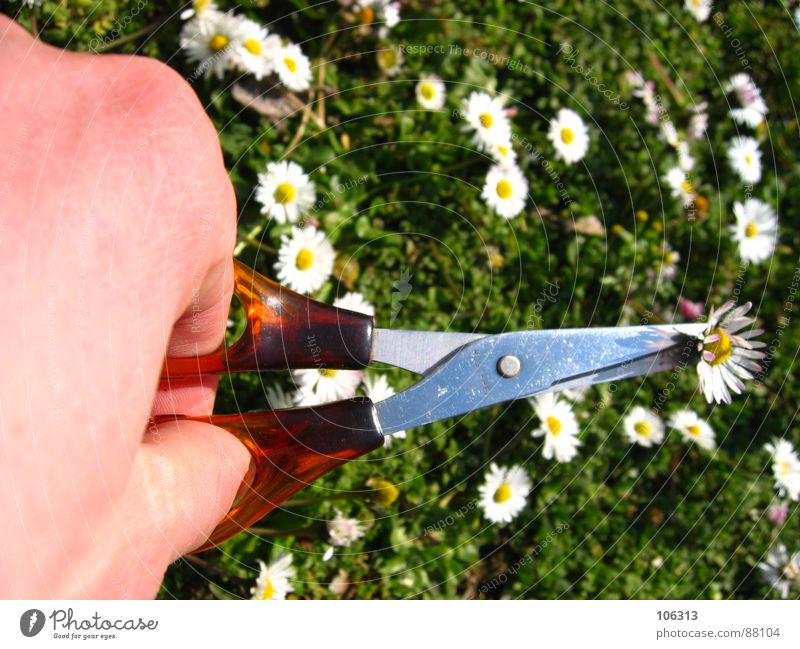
[(508, 366)]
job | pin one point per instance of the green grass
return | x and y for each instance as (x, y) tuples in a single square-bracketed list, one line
[(593, 527)]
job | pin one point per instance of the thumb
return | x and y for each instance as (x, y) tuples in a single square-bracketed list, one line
[(185, 477)]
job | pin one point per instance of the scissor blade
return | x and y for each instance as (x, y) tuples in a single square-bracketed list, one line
[(549, 360), (417, 351)]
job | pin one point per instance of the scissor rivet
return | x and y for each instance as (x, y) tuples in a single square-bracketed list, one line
[(508, 366)]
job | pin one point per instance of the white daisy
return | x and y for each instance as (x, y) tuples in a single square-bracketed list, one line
[(503, 494), (745, 158), (727, 355), (576, 395), (646, 90), (756, 229), (293, 67), (210, 39), (503, 153), (343, 532), (753, 107), (377, 11), (430, 92), (751, 115), (316, 386), (377, 388), (197, 8), (700, 9), (506, 190), (785, 468), (273, 579), (305, 260), (278, 398), (354, 301), (744, 87), (680, 186), (780, 570), (284, 191), (569, 135), (256, 48), (558, 426), (669, 262), (669, 132), (391, 15), (693, 429), (698, 123), (685, 157), (390, 60), (643, 426), (486, 116)]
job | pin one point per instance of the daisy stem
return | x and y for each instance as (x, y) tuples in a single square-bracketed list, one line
[(34, 24), (298, 134), (299, 103), (134, 35), (250, 239), (205, 565), (321, 99), (308, 532), (673, 89), (652, 318), (353, 495)]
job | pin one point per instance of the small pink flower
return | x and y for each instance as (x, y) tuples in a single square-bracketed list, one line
[(691, 309), (777, 513)]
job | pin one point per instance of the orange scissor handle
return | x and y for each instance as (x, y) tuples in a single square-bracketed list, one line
[(291, 449), (284, 330)]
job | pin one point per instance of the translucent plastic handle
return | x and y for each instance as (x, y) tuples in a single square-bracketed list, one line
[(284, 330), (291, 449)]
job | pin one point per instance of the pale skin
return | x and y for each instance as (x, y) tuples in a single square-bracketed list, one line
[(117, 224)]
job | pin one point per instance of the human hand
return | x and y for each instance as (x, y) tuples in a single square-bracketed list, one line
[(117, 222)]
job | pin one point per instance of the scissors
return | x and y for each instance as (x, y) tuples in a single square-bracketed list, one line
[(461, 372)]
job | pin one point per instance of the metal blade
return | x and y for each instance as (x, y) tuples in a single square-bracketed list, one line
[(417, 351), (545, 361)]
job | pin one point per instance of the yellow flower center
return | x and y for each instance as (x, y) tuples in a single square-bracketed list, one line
[(328, 373), (783, 468), (721, 348), (218, 42), (269, 590), (427, 91), (751, 230), (252, 46), (694, 429), (285, 193), (503, 493), (748, 159), (503, 189), (554, 424), (388, 58), (502, 150), (567, 135), (199, 5), (642, 428), (304, 259), (290, 64), (792, 570), (486, 120), (686, 186), (385, 492), (669, 257), (366, 15)]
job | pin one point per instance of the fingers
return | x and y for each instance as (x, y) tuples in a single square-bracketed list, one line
[(185, 477)]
